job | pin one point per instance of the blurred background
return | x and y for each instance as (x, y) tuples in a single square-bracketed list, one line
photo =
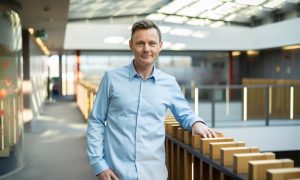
[(236, 62)]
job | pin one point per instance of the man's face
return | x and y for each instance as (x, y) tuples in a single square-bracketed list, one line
[(146, 46)]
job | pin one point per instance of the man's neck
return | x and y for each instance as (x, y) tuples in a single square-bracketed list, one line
[(144, 71)]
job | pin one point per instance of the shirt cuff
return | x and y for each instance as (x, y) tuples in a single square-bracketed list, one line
[(197, 120), (99, 167)]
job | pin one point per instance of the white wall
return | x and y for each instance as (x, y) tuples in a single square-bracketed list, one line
[(92, 36), (276, 35), (273, 138)]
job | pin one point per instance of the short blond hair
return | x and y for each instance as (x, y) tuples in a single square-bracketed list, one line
[(145, 24)]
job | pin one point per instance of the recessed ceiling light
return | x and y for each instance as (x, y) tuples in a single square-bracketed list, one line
[(181, 32), (114, 40)]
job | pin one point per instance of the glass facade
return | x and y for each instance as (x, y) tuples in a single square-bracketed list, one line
[(11, 101), (205, 69)]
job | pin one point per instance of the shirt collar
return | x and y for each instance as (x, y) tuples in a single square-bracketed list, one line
[(133, 73)]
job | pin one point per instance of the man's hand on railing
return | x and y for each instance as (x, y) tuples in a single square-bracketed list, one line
[(107, 175), (201, 129)]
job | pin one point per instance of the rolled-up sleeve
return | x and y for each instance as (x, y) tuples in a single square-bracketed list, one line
[(96, 128)]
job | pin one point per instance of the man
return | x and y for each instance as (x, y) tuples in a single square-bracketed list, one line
[(126, 127)]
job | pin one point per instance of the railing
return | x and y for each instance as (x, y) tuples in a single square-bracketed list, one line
[(86, 93), (245, 103), (235, 105), (191, 157)]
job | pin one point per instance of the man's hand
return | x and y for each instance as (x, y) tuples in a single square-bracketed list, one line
[(203, 130), (107, 175)]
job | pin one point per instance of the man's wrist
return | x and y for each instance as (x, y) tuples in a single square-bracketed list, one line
[(199, 122), (99, 167)]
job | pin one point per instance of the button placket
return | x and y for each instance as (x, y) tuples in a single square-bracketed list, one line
[(138, 118)]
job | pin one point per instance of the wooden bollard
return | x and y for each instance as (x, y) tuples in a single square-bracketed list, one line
[(170, 122), (187, 137), (258, 169), (195, 160), (180, 132), (168, 115), (204, 143), (170, 119), (196, 141), (240, 161), (227, 153), (173, 130), (174, 151), (214, 148), (219, 135), (168, 126), (169, 145), (282, 174), (180, 154)]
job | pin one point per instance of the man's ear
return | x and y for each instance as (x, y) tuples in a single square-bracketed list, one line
[(161, 45), (130, 44)]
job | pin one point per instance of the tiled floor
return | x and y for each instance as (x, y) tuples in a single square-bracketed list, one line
[(54, 148)]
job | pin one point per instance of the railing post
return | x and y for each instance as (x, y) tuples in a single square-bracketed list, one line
[(180, 154), (187, 156), (258, 169), (195, 160), (213, 107), (267, 105)]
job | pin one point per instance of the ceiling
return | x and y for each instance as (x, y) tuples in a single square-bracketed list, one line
[(48, 15), (53, 16), (195, 12)]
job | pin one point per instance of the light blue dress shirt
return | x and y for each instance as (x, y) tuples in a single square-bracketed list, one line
[(126, 126)]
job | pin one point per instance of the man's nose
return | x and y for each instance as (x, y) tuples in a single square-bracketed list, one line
[(146, 47)]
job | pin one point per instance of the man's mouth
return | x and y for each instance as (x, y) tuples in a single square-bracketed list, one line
[(146, 56)]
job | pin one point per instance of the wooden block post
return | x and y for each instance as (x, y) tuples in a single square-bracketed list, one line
[(196, 141), (180, 154), (227, 153), (187, 136), (180, 165), (240, 161), (168, 126), (169, 145), (173, 130), (174, 153), (282, 174), (258, 169), (214, 148), (170, 118), (196, 161), (219, 135), (204, 143), (180, 135)]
